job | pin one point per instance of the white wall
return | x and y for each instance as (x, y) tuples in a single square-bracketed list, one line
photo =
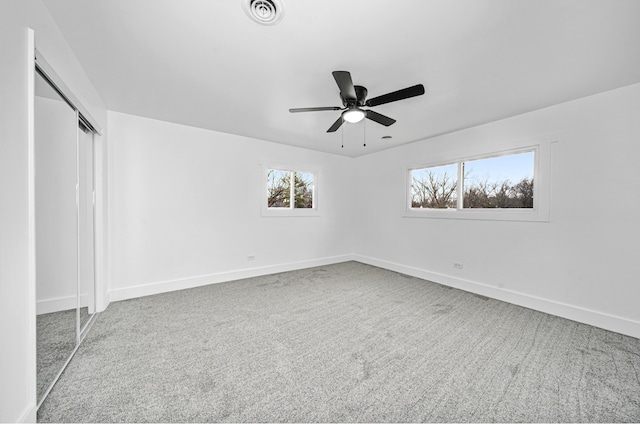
[(186, 210), (579, 265), (17, 280), (17, 268)]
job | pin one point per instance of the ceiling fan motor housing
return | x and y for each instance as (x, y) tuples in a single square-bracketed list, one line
[(361, 94)]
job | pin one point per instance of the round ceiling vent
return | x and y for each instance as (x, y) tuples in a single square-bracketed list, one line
[(265, 12)]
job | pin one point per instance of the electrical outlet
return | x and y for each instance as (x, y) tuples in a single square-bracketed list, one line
[(458, 265), (251, 258)]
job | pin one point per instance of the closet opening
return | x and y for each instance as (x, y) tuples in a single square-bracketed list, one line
[(64, 225)]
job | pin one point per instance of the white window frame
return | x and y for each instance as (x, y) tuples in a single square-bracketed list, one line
[(290, 211), (541, 188)]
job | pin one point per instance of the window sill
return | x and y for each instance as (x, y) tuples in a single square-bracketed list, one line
[(525, 215), (284, 212)]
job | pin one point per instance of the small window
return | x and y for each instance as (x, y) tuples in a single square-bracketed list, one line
[(289, 191)]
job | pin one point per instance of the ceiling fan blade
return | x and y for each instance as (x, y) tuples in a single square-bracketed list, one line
[(313, 109), (405, 93), (336, 125), (379, 118), (343, 79)]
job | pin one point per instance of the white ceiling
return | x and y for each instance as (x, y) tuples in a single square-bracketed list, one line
[(204, 63)]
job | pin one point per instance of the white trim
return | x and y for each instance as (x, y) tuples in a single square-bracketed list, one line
[(572, 312), (65, 92), (148, 289), (29, 414), (100, 224)]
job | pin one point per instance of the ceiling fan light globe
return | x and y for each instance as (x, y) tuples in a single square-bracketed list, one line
[(353, 115)]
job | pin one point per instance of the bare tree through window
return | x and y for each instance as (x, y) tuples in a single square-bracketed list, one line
[(278, 188), (503, 182), (435, 187), (282, 186)]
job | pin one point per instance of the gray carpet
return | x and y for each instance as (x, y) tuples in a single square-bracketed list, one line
[(346, 342), (55, 340)]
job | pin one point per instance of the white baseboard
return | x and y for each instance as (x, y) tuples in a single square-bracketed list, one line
[(45, 306), (202, 280), (575, 313)]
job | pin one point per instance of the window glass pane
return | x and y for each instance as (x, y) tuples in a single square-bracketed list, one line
[(278, 188), (500, 182), (303, 190), (434, 187)]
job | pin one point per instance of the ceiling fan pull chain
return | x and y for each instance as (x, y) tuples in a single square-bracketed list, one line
[(364, 132), (342, 136)]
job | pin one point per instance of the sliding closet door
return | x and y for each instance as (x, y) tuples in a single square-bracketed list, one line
[(56, 135), (85, 224)]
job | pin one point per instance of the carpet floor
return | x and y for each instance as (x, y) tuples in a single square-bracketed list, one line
[(55, 340), (343, 343)]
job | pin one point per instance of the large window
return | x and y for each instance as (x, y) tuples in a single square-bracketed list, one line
[(502, 185), (289, 192)]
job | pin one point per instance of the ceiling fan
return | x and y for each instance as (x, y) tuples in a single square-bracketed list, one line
[(354, 98)]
